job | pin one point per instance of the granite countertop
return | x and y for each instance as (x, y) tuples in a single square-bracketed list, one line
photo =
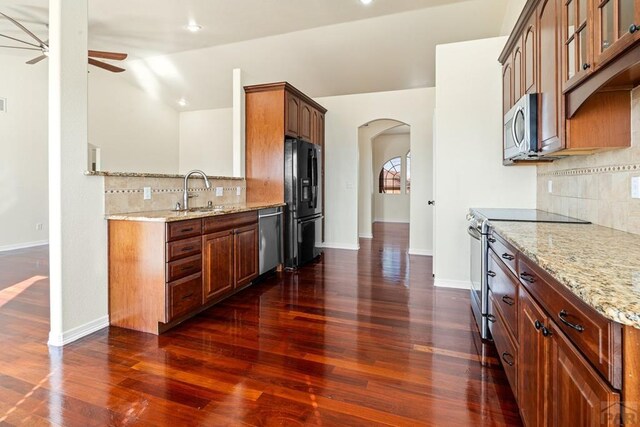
[(155, 175), (171, 216), (599, 265)]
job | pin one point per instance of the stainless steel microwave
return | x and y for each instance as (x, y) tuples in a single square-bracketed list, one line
[(521, 129)]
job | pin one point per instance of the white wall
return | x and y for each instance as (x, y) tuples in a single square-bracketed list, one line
[(512, 13), (468, 152), (345, 114), (206, 141), (390, 207), (135, 132), (23, 155)]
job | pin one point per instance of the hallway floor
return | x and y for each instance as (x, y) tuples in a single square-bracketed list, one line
[(355, 339)]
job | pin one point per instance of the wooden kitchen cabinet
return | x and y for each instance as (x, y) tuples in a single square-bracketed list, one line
[(517, 63), (577, 41), (306, 122), (507, 86), (615, 27), (529, 56), (292, 115), (218, 264), (246, 254)]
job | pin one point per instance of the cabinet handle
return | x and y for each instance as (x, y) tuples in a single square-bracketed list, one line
[(186, 230), (491, 318), (492, 240), (633, 28), (527, 277), (491, 273), (586, 66), (546, 332), (508, 300), (538, 325), (508, 257), (187, 249), (187, 296), (563, 318), (504, 358)]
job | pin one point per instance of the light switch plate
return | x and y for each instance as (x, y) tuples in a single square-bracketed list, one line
[(550, 186), (219, 191), (147, 193), (635, 187)]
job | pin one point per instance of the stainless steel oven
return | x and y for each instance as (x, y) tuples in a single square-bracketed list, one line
[(479, 244)]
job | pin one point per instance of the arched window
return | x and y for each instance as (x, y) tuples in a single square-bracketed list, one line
[(408, 178), (390, 181)]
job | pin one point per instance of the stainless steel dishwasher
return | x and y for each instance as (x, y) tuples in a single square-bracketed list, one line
[(270, 228)]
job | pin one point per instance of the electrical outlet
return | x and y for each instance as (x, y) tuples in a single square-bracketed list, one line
[(219, 191), (635, 187), (550, 186), (147, 193), (238, 191), (38, 227)]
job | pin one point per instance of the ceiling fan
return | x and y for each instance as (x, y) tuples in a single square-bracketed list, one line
[(43, 47)]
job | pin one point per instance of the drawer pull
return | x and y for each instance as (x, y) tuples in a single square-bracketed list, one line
[(511, 360), (185, 267), (527, 277), (188, 248), (186, 230), (491, 318), (508, 257), (546, 332), (563, 318), (491, 273), (538, 325), (508, 300), (491, 240), (187, 296)]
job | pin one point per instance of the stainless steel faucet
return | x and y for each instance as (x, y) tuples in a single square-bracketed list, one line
[(186, 195)]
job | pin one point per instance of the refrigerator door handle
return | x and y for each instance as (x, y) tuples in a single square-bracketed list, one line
[(314, 179)]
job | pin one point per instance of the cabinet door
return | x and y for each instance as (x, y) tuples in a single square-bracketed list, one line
[(577, 37), (217, 264), (532, 374), (517, 74), (579, 396), (529, 55), (551, 132), (507, 86), (292, 115), (246, 254), (615, 27), (315, 126), (306, 124)]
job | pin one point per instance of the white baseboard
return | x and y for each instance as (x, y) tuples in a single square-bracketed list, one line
[(455, 284), (23, 245), (59, 340), (421, 252), (329, 245), (365, 236)]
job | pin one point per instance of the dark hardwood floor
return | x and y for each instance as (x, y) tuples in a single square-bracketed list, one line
[(356, 339)]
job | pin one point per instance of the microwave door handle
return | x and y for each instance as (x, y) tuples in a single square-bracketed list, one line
[(513, 128)]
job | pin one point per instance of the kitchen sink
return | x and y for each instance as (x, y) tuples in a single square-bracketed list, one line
[(201, 209)]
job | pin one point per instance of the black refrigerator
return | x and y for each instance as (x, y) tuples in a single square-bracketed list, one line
[(303, 196)]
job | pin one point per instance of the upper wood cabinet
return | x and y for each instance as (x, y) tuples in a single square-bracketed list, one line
[(615, 27), (517, 74), (274, 112), (577, 40), (507, 85), (529, 55)]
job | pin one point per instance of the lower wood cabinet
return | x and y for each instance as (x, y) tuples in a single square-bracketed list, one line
[(246, 254), (217, 264)]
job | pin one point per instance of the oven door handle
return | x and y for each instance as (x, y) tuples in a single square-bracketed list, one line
[(474, 233)]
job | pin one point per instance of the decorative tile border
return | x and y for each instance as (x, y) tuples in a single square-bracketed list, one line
[(170, 190), (593, 170)]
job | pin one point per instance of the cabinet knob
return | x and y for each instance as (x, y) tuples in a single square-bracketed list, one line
[(633, 28), (546, 332), (586, 66), (538, 325)]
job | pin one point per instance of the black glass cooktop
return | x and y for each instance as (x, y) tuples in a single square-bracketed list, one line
[(525, 215)]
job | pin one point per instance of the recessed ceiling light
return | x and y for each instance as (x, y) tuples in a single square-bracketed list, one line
[(193, 27), (182, 102), (366, 1)]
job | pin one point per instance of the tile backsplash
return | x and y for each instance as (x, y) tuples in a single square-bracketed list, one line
[(126, 193), (596, 188)]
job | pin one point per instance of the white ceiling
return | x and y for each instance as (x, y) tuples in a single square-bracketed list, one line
[(324, 47)]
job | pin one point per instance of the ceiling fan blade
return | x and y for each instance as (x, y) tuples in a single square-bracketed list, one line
[(21, 41), (108, 55), (20, 47), (23, 28), (36, 60), (105, 66)]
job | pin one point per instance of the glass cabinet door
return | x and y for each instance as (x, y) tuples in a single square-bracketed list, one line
[(577, 54), (616, 27)]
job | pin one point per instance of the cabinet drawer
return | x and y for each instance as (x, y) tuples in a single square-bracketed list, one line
[(507, 350), (184, 267), (505, 291), (504, 250), (182, 229), (599, 339), (184, 296), (183, 248), (225, 222)]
